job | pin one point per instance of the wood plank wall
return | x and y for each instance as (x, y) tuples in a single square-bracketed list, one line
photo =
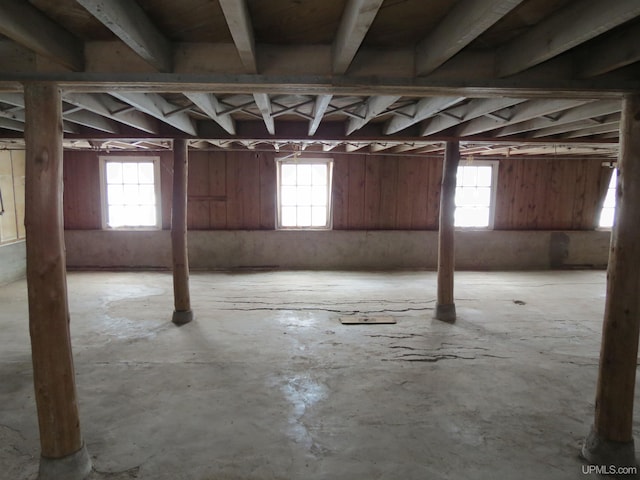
[(231, 190), (550, 194)]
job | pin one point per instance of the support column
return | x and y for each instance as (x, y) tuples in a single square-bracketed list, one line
[(610, 441), (63, 454), (445, 305), (182, 301)]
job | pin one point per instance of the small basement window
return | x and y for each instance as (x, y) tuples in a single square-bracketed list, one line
[(475, 194), (304, 193), (607, 214), (130, 192)]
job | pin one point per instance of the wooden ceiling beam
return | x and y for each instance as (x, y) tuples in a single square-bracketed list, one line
[(131, 24), (620, 49), (425, 108), (27, 26), (264, 105), (320, 107), (373, 107), (463, 24), (156, 106), (583, 112), (356, 20), (474, 109), (571, 26), (108, 107), (519, 113), (208, 103), (236, 13)]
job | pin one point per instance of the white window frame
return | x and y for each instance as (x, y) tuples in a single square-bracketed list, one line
[(103, 190), (306, 161), (494, 164)]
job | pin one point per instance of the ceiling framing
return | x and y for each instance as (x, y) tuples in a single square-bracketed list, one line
[(509, 77)]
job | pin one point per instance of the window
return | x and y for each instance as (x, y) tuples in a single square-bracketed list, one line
[(609, 207), (475, 194), (130, 192), (304, 193)]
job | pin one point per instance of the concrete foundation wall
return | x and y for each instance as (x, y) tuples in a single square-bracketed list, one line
[(13, 262), (391, 249)]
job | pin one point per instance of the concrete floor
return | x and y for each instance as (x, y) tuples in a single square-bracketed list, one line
[(267, 384)]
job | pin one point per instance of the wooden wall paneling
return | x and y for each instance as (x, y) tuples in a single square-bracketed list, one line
[(217, 190), (503, 195), (535, 215), (268, 193), (357, 175), (372, 192), (388, 192), (340, 192), (518, 196), (234, 191), (580, 197), (564, 212), (250, 192), (82, 210), (407, 191), (198, 191), (530, 173), (433, 185)]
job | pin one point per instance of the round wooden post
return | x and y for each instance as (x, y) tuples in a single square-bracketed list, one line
[(610, 441), (63, 452), (445, 306), (182, 301)]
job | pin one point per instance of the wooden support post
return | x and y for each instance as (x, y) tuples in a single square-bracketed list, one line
[(182, 313), (445, 306), (63, 454), (611, 439)]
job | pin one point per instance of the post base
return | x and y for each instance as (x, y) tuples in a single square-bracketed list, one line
[(76, 466), (446, 313), (182, 318), (599, 451)]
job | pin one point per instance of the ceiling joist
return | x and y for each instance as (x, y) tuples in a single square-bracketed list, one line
[(156, 106), (236, 13)]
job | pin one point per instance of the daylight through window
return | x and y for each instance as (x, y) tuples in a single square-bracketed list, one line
[(608, 211), (131, 193), (475, 195), (304, 188)]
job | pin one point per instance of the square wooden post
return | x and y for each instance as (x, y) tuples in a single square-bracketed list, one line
[(63, 452), (611, 439), (182, 300)]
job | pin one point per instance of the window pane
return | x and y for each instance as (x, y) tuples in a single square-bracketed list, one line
[(465, 196), (472, 217), (288, 216), (304, 196), (319, 174), (318, 216), (115, 195), (288, 176), (130, 172), (483, 196), (304, 217), (146, 216), (606, 217), (147, 195), (145, 173), (131, 195), (288, 196), (319, 195), (304, 174), (114, 172), (484, 176), (469, 176), (116, 216)]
